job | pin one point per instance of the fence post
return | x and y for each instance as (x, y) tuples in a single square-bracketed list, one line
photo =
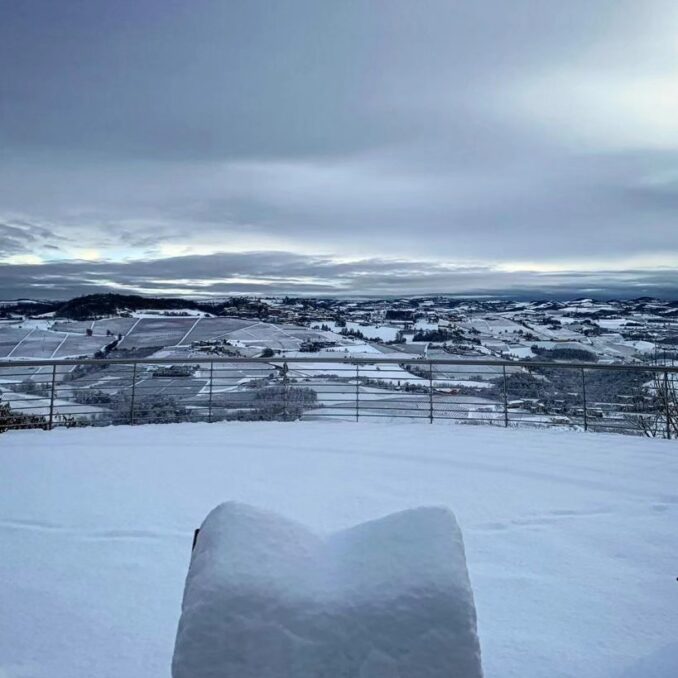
[(667, 404), (430, 392), (285, 396), (583, 393), (209, 404), (134, 388), (51, 398), (506, 417), (357, 392)]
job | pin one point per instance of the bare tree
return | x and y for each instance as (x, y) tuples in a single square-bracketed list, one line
[(656, 412)]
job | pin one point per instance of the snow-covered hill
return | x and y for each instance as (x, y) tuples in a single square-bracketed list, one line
[(571, 538)]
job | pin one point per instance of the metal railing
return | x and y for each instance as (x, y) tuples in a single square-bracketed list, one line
[(632, 399)]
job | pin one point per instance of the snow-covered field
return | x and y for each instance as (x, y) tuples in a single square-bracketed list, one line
[(571, 538), (40, 406)]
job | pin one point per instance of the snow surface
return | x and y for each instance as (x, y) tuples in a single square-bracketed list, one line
[(384, 332), (266, 597), (570, 538)]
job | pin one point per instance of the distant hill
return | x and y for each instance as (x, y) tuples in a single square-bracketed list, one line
[(93, 306), (96, 305), (24, 307)]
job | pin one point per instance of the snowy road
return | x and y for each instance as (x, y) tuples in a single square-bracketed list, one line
[(571, 538)]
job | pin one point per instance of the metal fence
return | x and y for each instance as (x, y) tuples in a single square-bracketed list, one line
[(632, 399)]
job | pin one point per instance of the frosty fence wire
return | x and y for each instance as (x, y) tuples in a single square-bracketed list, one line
[(637, 399)]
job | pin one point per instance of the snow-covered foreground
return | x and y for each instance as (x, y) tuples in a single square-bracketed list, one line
[(571, 538)]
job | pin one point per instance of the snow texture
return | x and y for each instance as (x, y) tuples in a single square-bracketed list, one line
[(570, 538), (267, 598)]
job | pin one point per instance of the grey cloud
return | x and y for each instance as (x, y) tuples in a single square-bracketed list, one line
[(287, 273), (211, 79), (385, 129), (21, 237)]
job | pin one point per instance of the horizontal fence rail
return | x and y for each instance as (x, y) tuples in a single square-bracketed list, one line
[(633, 399)]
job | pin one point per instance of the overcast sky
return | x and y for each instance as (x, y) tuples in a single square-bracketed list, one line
[(334, 147)]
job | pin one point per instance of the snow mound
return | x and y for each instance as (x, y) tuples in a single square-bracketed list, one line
[(267, 598)]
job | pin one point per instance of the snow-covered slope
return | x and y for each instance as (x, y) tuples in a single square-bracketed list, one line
[(570, 538), (266, 597)]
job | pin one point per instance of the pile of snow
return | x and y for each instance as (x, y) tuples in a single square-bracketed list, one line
[(267, 597)]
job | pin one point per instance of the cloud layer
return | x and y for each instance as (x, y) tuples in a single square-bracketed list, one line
[(478, 144), (271, 273)]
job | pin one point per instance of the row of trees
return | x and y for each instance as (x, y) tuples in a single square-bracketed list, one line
[(565, 354), (642, 402)]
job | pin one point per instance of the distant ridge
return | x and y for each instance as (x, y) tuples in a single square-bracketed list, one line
[(95, 305)]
